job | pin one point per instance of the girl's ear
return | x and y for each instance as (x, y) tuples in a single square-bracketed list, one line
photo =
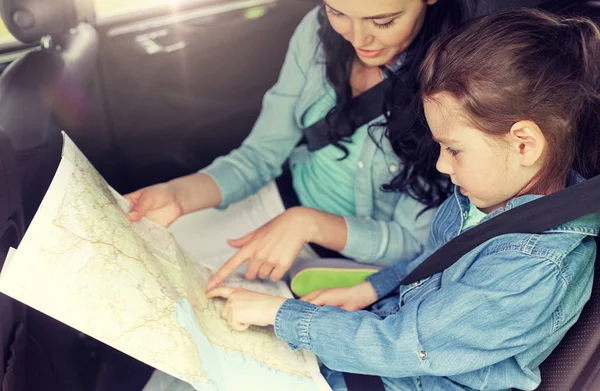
[(431, 2), (528, 142)]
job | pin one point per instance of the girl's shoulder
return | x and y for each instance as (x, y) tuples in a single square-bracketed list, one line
[(568, 240)]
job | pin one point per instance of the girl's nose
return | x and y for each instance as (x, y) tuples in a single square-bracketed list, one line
[(443, 165)]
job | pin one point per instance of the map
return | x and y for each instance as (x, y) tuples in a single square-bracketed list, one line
[(130, 286)]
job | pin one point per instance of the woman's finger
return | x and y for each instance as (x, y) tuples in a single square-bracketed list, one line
[(265, 270), (241, 242), (253, 269), (228, 267), (278, 273)]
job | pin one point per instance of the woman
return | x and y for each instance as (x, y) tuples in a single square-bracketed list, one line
[(369, 195)]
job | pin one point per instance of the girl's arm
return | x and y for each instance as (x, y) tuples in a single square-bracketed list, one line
[(502, 306)]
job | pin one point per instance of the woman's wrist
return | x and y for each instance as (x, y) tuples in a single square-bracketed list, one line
[(195, 192), (305, 220), (322, 228)]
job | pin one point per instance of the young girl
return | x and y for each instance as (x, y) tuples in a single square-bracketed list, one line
[(514, 101), (364, 195)]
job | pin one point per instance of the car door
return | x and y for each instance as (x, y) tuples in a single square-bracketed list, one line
[(183, 81)]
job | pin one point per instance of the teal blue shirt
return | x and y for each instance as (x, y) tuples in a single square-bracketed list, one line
[(474, 216), (323, 181), (385, 226)]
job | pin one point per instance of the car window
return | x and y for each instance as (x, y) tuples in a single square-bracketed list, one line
[(5, 36), (108, 8), (104, 8)]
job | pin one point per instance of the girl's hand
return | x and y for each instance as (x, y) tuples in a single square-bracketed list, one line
[(353, 298), (245, 308), (271, 249)]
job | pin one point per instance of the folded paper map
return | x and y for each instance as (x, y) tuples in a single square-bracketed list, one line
[(130, 286)]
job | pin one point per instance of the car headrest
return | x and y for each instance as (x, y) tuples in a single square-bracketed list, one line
[(30, 20), (51, 84), (78, 51)]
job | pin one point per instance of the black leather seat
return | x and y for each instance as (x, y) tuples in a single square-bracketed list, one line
[(591, 9), (13, 337), (45, 90), (41, 93)]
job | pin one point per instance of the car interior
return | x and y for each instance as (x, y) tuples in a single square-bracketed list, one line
[(150, 93)]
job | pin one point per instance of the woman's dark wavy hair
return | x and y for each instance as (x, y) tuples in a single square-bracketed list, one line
[(406, 129)]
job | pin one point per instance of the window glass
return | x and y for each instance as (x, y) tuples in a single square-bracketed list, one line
[(107, 8), (5, 36)]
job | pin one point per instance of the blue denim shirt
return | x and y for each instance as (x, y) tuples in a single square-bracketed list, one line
[(487, 322), (387, 226)]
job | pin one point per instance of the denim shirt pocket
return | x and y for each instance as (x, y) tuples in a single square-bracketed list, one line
[(417, 290), (386, 307)]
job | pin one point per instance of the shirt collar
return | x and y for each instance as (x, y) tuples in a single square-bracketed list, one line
[(573, 178)]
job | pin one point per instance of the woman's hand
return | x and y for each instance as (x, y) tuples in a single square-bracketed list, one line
[(157, 202), (353, 298), (165, 202), (271, 249), (245, 308)]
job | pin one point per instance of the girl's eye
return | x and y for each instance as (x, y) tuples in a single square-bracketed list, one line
[(385, 25), (451, 151)]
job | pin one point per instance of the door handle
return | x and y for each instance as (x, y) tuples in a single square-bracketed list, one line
[(149, 44)]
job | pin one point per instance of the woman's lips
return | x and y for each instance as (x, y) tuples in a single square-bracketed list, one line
[(368, 53)]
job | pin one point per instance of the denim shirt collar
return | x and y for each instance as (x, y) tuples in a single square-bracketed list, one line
[(398, 64), (587, 224)]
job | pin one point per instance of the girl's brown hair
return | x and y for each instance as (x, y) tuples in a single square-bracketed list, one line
[(527, 64)]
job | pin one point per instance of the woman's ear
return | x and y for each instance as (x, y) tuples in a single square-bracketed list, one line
[(528, 142), (431, 2)]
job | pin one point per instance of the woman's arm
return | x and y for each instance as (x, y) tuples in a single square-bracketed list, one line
[(385, 242), (259, 159)]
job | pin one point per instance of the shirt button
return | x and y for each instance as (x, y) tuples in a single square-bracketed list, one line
[(465, 215), (422, 355), (361, 164), (393, 168)]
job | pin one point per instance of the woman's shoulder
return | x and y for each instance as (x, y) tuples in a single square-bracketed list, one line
[(305, 38), (309, 25)]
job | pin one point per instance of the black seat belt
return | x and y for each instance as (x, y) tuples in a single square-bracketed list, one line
[(362, 109), (533, 217)]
